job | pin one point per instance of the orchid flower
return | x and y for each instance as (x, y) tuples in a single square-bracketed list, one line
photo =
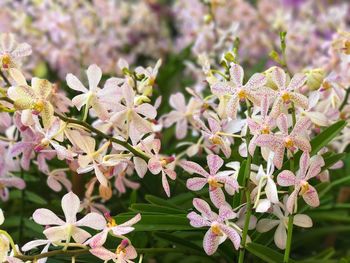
[(60, 230), (219, 227), (287, 93), (91, 97), (279, 142), (11, 52), (50, 137), (280, 237), (124, 253), (216, 180), (181, 114), (32, 99), (251, 91), (265, 180), (309, 168), (262, 126), (128, 115), (215, 135), (121, 180), (8, 181), (92, 158), (159, 164), (117, 230)]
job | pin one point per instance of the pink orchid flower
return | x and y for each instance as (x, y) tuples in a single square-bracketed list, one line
[(215, 135), (309, 168), (51, 136), (280, 237), (124, 253), (220, 229), (11, 52), (91, 97), (92, 158), (287, 93), (128, 115), (121, 181), (251, 91), (216, 180), (8, 181), (279, 142), (260, 126), (60, 230), (118, 230), (182, 113), (160, 164)]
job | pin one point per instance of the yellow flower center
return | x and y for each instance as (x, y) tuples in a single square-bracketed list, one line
[(265, 129), (213, 183), (285, 97), (288, 142), (347, 47), (216, 229), (111, 222), (326, 85), (304, 187), (242, 94), (6, 61), (215, 140), (38, 106)]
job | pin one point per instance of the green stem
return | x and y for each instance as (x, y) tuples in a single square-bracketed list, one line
[(247, 195), (105, 136), (8, 83), (290, 218), (13, 246), (94, 130), (289, 239), (345, 101)]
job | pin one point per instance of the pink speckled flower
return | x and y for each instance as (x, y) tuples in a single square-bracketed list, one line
[(279, 142), (287, 93), (215, 179), (251, 91), (260, 126), (309, 168), (160, 164), (124, 253), (219, 229)]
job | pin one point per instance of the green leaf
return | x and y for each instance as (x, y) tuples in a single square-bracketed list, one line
[(34, 198), (159, 201), (178, 241), (157, 209), (157, 222), (265, 253)]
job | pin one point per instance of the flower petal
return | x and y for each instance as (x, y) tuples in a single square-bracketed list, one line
[(94, 74), (44, 216), (286, 178), (302, 220), (214, 163), (192, 167), (210, 242), (92, 220), (70, 206), (280, 236)]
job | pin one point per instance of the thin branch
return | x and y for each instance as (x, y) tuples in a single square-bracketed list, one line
[(5, 78), (94, 130), (345, 101)]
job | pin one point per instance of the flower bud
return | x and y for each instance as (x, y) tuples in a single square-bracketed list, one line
[(314, 78), (105, 192)]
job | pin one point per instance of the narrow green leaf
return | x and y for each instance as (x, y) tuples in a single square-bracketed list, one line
[(265, 253), (157, 209)]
